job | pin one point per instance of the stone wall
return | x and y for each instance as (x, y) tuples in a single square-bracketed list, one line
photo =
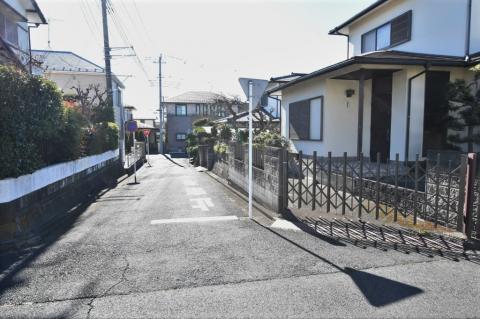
[(266, 181), (30, 215)]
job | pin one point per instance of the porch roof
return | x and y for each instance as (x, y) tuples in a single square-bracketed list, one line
[(381, 58)]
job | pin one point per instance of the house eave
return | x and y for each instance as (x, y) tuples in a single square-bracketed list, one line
[(373, 61)]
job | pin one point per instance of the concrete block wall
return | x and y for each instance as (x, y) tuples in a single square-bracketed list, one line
[(266, 181)]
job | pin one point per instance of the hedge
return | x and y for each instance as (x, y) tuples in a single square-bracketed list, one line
[(37, 130)]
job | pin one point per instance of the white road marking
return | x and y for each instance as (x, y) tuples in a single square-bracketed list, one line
[(284, 224), (193, 220), (194, 191), (202, 203)]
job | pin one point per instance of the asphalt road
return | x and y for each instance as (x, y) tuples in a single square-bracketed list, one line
[(113, 261)]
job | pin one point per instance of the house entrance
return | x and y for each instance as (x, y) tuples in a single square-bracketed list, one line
[(381, 117), (436, 111)]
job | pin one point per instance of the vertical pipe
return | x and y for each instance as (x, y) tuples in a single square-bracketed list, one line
[(314, 190), (250, 148), (344, 180), (361, 85)]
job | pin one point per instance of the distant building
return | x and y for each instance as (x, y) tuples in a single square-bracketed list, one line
[(16, 18), (184, 109), (69, 70)]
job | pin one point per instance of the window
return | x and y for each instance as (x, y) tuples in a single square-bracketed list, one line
[(180, 110), (205, 109), (181, 136), (198, 109), (390, 34), (11, 31), (306, 119)]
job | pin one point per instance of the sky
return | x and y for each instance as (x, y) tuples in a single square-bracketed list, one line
[(205, 45)]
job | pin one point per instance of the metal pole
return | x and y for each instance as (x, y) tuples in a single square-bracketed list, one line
[(160, 105), (250, 149), (134, 158)]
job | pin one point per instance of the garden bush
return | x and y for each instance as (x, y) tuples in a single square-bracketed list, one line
[(270, 138)]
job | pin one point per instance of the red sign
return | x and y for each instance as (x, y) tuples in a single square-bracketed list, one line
[(146, 133)]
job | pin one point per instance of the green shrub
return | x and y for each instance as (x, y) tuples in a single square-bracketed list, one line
[(31, 117), (102, 137), (241, 136), (225, 133), (220, 148), (269, 138), (202, 122)]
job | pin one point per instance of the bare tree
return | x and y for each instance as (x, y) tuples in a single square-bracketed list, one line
[(91, 103)]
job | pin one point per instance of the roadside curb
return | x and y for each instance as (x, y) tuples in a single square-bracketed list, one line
[(265, 211)]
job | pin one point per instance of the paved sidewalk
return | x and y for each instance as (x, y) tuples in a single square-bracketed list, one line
[(132, 253)]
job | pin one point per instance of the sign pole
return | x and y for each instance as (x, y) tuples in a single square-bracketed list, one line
[(250, 149), (134, 158)]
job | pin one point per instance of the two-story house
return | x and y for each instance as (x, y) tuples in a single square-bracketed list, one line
[(69, 70), (16, 19), (385, 96), (184, 109)]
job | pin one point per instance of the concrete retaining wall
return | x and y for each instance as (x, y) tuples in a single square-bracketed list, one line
[(52, 195)]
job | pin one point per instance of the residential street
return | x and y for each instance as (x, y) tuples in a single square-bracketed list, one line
[(113, 261)]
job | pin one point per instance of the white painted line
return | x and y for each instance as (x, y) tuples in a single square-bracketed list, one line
[(193, 220), (195, 191), (284, 224), (200, 169), (202, 203)]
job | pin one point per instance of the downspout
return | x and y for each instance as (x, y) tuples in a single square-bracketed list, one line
[(409, 106), (469, 25)]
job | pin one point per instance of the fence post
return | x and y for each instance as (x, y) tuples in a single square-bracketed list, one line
[(314, 190), (300, 178), (395, 200), (344, 181), (329, 180), (469, 194), (462, 192), (360, 193), (377, 187), (415, 194), (285, 179)]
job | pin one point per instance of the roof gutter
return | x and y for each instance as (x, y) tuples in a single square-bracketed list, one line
[(409, 107)]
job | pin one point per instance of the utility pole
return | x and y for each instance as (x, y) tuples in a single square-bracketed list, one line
[(108, 76), (160, 105)]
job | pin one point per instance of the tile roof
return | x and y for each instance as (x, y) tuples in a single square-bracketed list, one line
[(64, 61), (194, 97)]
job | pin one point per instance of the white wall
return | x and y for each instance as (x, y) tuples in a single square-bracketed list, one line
[(438, 26), (13, 188), (340, 121)]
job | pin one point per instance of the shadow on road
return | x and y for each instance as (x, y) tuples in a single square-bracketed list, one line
[(379, 291), (12, 262), (174, 162)]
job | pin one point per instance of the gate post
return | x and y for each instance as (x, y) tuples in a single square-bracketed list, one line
[(462, 193), (470, 193), (282, 181)]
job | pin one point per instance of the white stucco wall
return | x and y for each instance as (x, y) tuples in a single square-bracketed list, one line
[(438, 26), (13, 188)]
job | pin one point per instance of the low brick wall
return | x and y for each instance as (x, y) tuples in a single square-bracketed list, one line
[(26, 217), (266, 181)]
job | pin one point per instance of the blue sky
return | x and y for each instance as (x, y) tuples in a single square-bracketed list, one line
[(206, 45)]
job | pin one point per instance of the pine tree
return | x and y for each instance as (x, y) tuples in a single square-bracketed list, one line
[(464, 101)]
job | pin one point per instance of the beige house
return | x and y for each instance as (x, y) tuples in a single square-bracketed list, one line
[(69, 70)]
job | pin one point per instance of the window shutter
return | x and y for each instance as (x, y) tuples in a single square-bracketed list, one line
[(401, 28), (299, 118)]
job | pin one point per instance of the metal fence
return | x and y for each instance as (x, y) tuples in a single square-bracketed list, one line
[(430, 192)]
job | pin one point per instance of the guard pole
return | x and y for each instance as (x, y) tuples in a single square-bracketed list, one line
[(250, 149), (134, 158)]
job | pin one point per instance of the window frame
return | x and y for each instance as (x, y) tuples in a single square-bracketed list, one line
[(409, 36), (177, 106), (322, 106), (180, 133)]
